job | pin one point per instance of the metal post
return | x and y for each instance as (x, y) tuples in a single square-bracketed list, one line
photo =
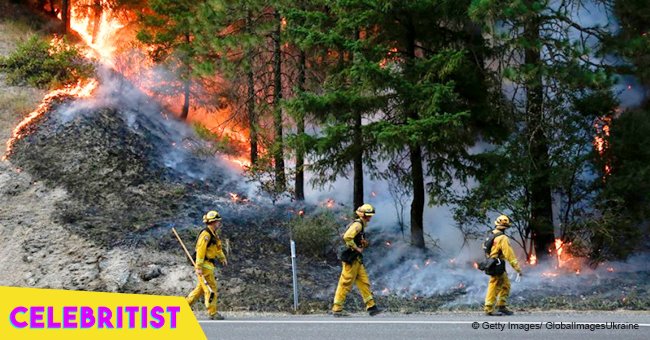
[(295, 275)]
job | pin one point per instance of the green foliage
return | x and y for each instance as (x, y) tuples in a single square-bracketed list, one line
[(262, 173), (36, 63), (217, 143), (316, 234), (555, 98)]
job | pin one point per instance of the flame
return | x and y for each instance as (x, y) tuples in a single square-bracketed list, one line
[(329, 203), (301, 213), (107, 28), (558, 247), (388, 244), (427, 262), (610, 269), (532, 260), (385, 291), (391, 56), (550, 274), (242, 162), (600, 142), (475, 265), (80, 90), (233, 197)]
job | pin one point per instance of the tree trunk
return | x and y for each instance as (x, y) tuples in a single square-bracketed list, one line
[(186, 99), (357, 150), (250, 99), (417, 205), (541, 220), (300, 150), (278, 148), (65, 16), (415, 151), (52, 9), (187, 83), (97, 19)]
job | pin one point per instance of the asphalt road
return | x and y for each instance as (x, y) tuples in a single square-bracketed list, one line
[(536, 325)]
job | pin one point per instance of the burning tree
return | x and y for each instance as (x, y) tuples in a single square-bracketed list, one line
[(554, 89), (168, 31)]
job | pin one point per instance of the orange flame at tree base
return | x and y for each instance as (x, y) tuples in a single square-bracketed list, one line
[(20, 131)]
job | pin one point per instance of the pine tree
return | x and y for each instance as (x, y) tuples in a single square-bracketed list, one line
[(546, 58), (168, 29)]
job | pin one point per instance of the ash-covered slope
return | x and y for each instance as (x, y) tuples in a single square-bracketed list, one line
[(124, 174), (125, 167)]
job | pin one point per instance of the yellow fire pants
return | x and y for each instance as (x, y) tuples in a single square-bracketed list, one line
[(498, 291), (201, 289), (353, 273)]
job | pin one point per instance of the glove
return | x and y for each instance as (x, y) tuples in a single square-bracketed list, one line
[(518, 278), (364, 243)]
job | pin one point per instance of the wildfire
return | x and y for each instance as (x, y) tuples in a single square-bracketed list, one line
[(532, 259), (235, 198), (242, 162), (610, 269), (80, 90), (385, 291), (550, 274), (388, 244), (601, 139), (475, 265), (329, 203), (427, 262), (97, 33)]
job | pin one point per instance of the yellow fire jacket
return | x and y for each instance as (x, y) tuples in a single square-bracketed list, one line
[(353, 230), (203, 251), (501, 248)]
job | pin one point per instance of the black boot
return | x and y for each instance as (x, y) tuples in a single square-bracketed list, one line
[(493, 313), (504, 310), (374, 310)]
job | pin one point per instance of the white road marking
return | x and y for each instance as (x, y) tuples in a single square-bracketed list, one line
[(424, 322)]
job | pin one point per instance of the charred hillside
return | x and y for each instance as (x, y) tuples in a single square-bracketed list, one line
[(130, 174), (120, 165)]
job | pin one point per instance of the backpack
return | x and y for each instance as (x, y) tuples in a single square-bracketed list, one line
[(492, 266), (210, 242), (349, 255)]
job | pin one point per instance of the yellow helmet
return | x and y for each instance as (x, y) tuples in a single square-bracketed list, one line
[(365, 210), (502, 221), (211, 216)]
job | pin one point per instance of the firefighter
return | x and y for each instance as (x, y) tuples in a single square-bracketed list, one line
[(208, 250), (355, 272), (499, 285)]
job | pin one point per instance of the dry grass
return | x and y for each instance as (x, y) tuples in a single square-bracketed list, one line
[(15, 101)]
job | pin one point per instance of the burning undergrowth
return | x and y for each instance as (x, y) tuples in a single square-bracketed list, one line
[(409, 280)]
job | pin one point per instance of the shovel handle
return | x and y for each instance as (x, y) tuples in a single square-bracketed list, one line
[(191, 259)]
